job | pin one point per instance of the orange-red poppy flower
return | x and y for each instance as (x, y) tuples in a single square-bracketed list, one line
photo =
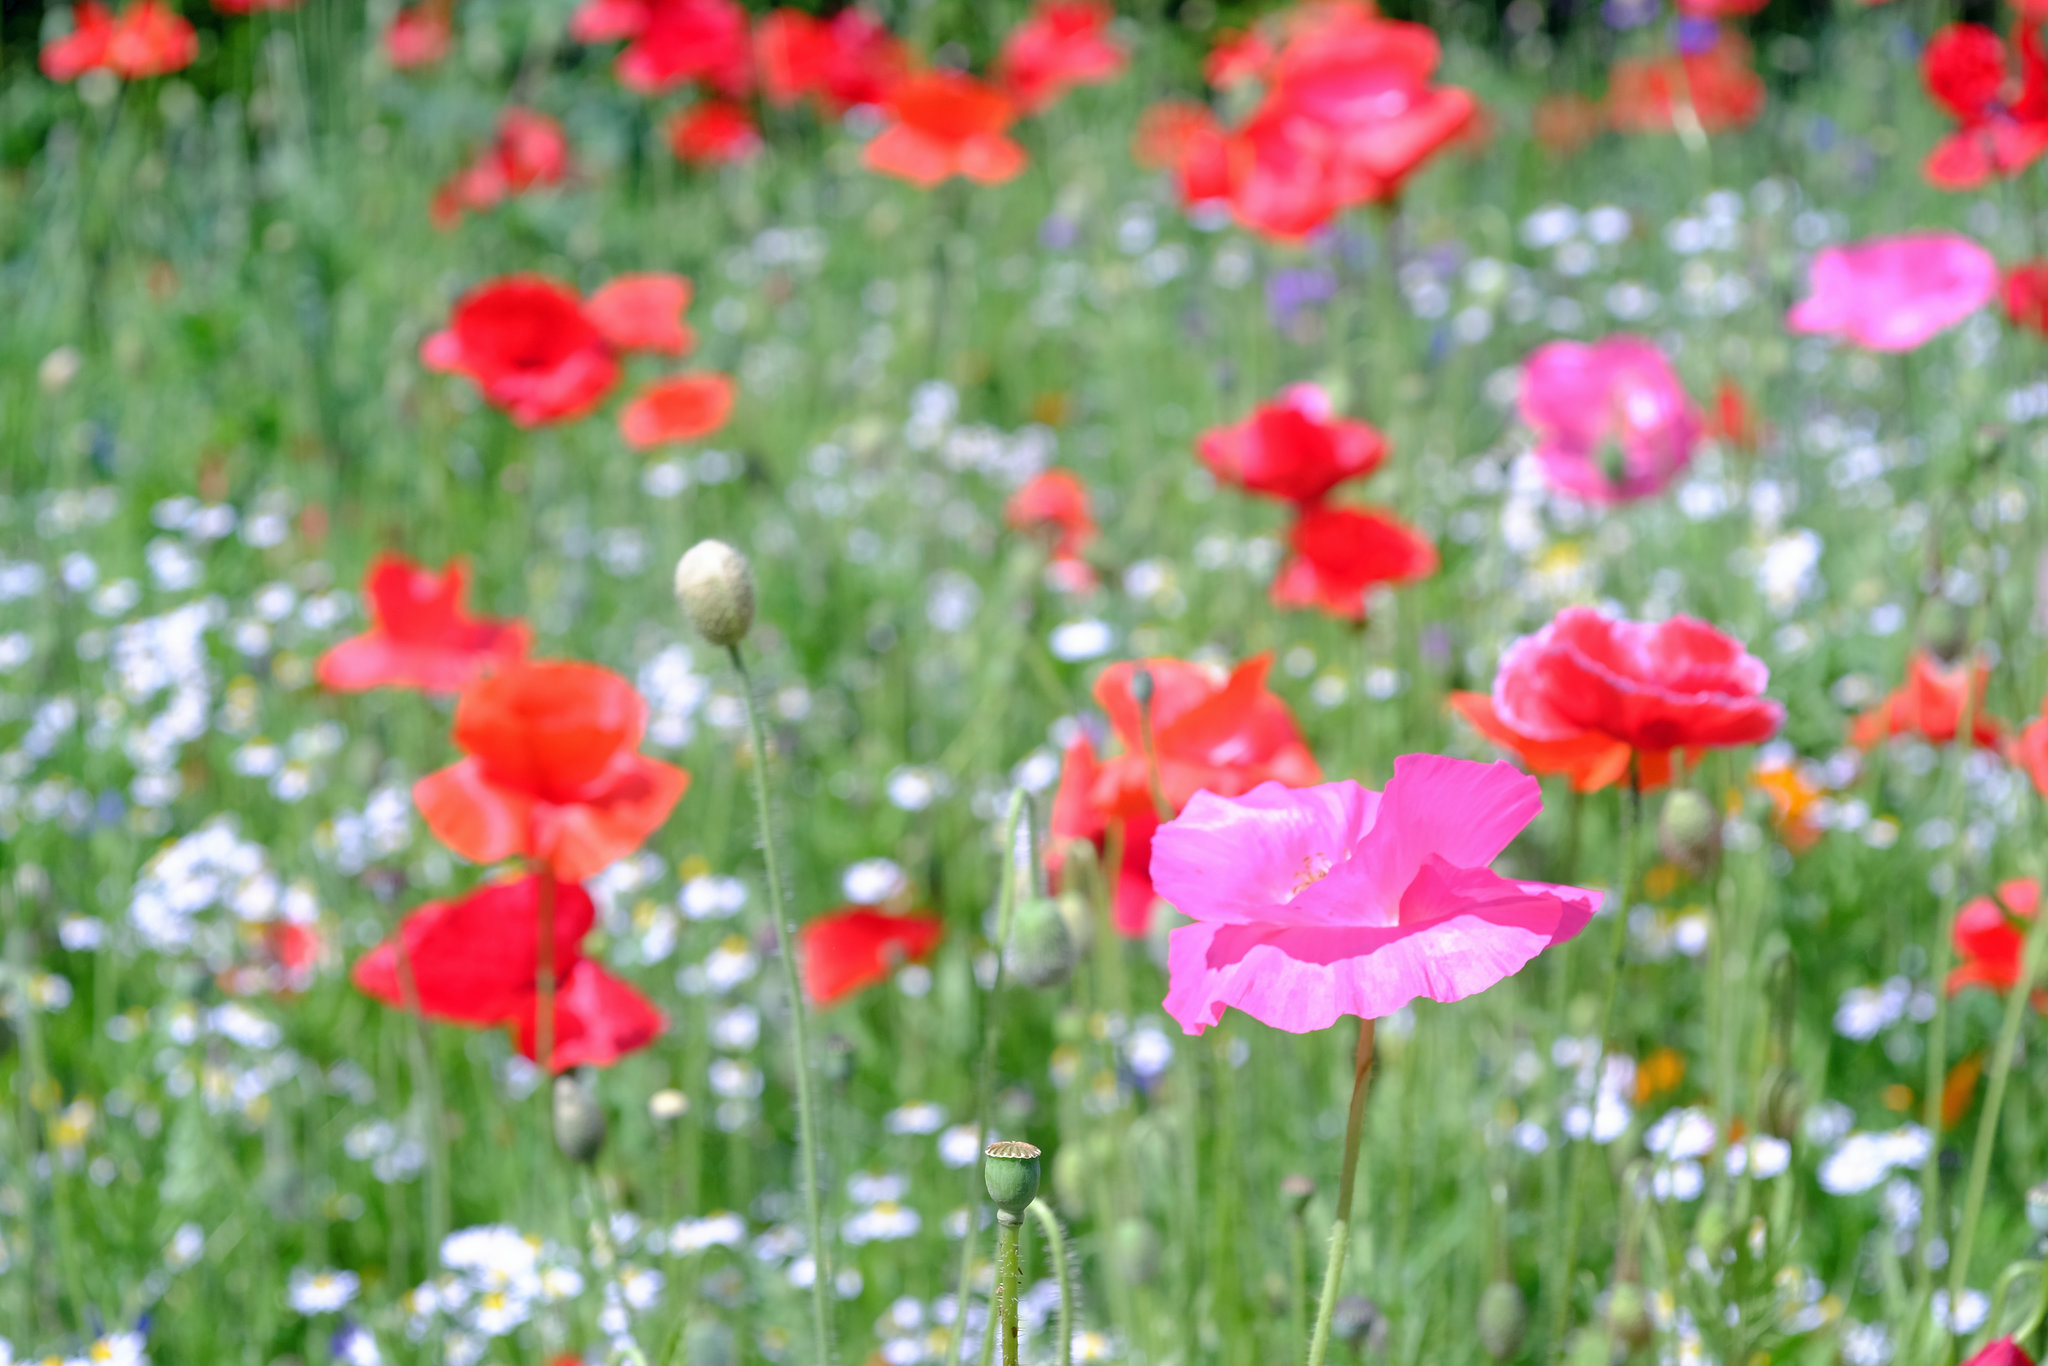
[(714, 133), (1715, 86), (943, 124), (553, 771), (1929, 704), (1589, 760), (853, 949), (2029, 751), (1991, 938), (1796, 792), (1054, 503), (1341, 554), (421, 635), (1064, 43), (643, 312), (680, 408)]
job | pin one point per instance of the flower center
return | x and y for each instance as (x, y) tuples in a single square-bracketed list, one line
[(1314, 868)]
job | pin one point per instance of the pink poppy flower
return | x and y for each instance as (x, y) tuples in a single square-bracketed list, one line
[(1318, 902), (1612, 420), (2004, 1352), (1895, 293)]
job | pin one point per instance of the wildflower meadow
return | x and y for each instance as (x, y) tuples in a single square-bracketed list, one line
[(687, 683)]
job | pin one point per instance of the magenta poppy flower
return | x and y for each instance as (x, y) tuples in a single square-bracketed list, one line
[(1612, 421), (1311, 903), (1894, 293)]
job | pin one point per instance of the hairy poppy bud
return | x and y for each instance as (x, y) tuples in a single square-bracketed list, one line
[(1783, 1102), (715, 585), (1689, 831), (579, 1120), (1041, 951), (1503, 1319), (2037, 1207), (1134, 1251), (1010, 1171)]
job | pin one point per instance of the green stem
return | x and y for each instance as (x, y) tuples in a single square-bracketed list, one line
[(1056, 1248), (544, 979), (799, 1026), (1994, 1100), (1298, 1283), (1340, 1221), (1008, 1227), (1575, 1200), (984, 1083)]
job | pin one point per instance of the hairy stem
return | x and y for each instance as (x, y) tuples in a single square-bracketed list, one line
[(1340, 1221)]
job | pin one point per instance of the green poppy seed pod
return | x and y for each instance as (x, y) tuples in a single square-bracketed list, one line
[(1295, 1192), (579, 1120), (1010, 1171), (1628, 1315), (1944, 629), (1041, 952), (2037, 1207), (1134, 1251), (1689, 831), (715, 585), (1783, 1102), (1503, 1319)]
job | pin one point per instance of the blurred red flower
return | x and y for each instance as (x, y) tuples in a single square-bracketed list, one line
[(1237, 56), (553, 771), (1341, 554), (680, 408), (525, 341), (418, 35), (608, 21), (1715, 85), (1292, 448), (1719, 9), (2030, 752), (689, 40), (1929, 704), (1064, 43), (2003, 1352), (529, 152), (643, 312), (1734, 418), (1055, 504), (1589, 760), (943, 124), (2001, 117), (841, 62), (2026, 295), (1210, 731), (1653, 686), (714, 133), (1990, 938), (850, 950), (148, 38), (254, 6), (421, 635)]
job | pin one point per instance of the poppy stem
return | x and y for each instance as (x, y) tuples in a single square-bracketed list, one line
[(1056, 1248), (1582, 1161), (984, 1082), (799, 1024), (1340, 1221), (1994, 1100), (1008, 1229), (544, 976), (1141, 690), (426, 1083)]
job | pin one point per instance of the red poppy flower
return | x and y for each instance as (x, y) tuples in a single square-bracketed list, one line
[(643, 312), (608, 21), (714, 133), (680, 408), (530, 152), (553, 771), (2026, 295), (944, 124), (2003, 1352), (1341, 554), (1589, 760), (1222, 733), (1166, 129), (689, 40), (841, 62), (598, 1020), (1238, 56), (2002, 118), (1715, 86), (421, 636), (148, 38), (419, 35), (525, 341), (1734, 419), (1293, 448), (853, 949), (1929, 704), (254, 6), (1990, 945), (2030, 752), (475, 961), (1055, 502), (1654, 686), (1063, 44)]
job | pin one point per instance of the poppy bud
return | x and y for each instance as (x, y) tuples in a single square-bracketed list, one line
[(1297, 1190), (1689, 831), (2037, 1207), (1628, 1314), (1141, 687), (1358, 1321), (1010, 1171), (1041, 952), (1134, 1251), (715, 585), (1944, 629), (1503, 1319), (1784, 1102), (1080, 918), (579, 1120)]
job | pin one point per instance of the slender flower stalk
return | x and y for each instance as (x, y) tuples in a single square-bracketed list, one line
[(1009, 1170), (984, 1084), (1056, 1248), (1141, 690), (1007, 1276), (799, 1021), (543, 974), (1575, 1200), (1340, 1222)]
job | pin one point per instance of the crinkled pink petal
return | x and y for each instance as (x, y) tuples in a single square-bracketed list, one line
[(1245, 859), (1433, 808)]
